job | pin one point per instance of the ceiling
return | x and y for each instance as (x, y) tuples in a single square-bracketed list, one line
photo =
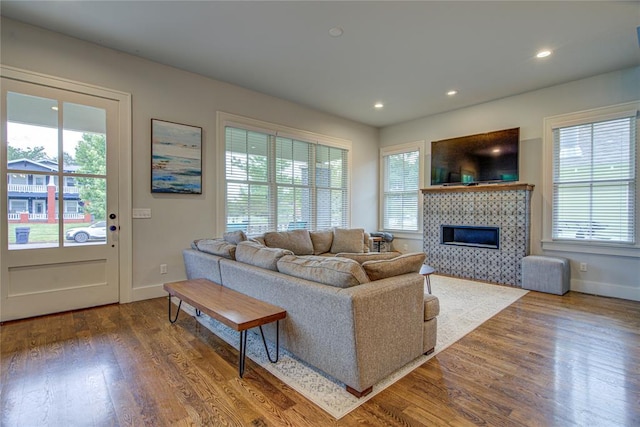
[(406, 55)]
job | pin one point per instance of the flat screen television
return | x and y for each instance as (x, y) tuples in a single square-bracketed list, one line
[(483, 158)]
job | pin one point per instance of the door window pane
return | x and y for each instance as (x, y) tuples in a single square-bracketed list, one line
[(32, 156), (85, 215)]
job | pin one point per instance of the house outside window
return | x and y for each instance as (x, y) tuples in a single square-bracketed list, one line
[(17, 206), (18, 179), (593, 178), (281, 180), (401, 180), (72, 206)]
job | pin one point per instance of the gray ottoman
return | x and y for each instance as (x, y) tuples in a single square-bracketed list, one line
[(546, 274)]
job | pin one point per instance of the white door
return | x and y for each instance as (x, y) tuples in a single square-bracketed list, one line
[(59, 153)]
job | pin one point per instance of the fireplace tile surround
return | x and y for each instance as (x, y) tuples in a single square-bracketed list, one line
[(504, 206)]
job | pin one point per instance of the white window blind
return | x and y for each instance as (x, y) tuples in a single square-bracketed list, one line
[(400, 194), (594, 181), (280, 183)]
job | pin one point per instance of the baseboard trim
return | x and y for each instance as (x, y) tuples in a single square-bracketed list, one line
[(606, 289), (148, 292)]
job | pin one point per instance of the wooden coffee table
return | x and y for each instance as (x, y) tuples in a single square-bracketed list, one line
[(236, 310)]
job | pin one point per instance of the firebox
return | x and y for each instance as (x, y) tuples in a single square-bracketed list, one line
[(470, 235)]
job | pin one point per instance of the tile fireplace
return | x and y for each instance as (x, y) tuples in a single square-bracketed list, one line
[(478, 232)]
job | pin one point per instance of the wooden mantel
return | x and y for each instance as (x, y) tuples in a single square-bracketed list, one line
[(480, 187)]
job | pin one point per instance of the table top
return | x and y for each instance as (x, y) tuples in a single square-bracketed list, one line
[(234, 309)]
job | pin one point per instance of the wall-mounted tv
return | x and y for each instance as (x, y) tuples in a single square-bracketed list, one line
[(482, 158)]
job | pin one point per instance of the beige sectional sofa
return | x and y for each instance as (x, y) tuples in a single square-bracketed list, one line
[(356, 315)]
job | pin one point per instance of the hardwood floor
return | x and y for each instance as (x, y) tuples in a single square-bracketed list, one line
[(544, 361)]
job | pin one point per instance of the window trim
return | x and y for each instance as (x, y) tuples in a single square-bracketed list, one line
[(572, 119), (224, 119), (401, 149)]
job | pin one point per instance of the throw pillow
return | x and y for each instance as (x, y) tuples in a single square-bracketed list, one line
[(348, 240), (215, 247), (234, 237), (297, 241), (253, 253), (408, 263), (322, 241), (338, 272)]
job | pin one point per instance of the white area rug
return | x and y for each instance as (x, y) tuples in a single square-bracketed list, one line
[(464, 305)]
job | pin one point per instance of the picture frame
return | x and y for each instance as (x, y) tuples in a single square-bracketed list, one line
[(176, 158)]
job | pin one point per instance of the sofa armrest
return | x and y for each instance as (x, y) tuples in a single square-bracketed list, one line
[(388, 318)]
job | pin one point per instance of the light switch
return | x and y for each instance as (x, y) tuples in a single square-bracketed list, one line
[(141, 213)]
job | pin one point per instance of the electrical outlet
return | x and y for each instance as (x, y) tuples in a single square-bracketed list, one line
[(583, 266), (163, 268)]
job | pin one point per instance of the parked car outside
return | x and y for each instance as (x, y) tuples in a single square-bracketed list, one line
[(96, 231)]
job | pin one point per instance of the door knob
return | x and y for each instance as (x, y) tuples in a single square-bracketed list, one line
[(112, 216)]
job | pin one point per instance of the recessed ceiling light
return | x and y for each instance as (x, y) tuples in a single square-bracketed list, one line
[(495, 150), (54, 108), (543, 53), (378, 105), (335, 32), (452, 92)]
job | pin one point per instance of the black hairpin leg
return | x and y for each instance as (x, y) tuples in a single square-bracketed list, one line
[(177, 312), (198, 312), (277, 342), (243, 352), (243, 347)]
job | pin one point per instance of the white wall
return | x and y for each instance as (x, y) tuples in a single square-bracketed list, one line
[(607, 275), (163, 92)]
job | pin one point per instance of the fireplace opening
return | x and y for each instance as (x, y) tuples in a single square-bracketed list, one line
[(470, 235)]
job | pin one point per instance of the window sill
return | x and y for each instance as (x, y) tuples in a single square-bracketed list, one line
[(632, 251), (407, 235)]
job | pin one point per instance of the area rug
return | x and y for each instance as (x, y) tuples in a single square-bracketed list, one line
[(464, 305)]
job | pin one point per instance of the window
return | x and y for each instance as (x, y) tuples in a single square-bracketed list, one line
[(72, 206), (401, 181), (18, 179), (593, 185), (277, 181), (17, 206)]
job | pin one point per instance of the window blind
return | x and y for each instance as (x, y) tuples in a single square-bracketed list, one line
[(281, 183), (401, 185), (594, 181)]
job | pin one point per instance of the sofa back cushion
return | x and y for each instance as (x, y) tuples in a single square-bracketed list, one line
[(408, 263), (347, 240), (234, 237), (338, 272), (218, 247), (297, 241), (322, 241), (253, 253)]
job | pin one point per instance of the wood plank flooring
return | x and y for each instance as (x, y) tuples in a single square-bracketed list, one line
[(544, 361)]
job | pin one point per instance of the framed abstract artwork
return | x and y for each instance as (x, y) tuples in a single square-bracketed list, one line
[(176, 158)]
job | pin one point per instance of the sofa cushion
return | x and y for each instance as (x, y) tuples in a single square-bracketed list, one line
[(338, 272), (258, 238), (369, 256), (234, 237), (322, 241), (347, 240), (217, 247), (297, 241), (431, 307), (408, 263), (254, 253)]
